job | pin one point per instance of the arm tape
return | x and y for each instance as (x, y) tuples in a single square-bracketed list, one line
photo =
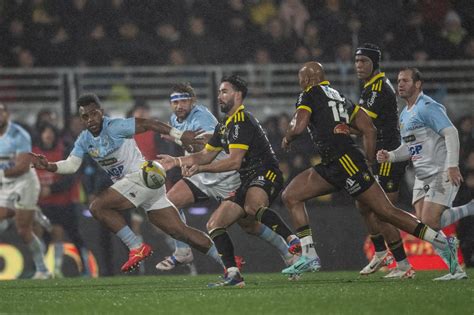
[(451, 138), (69, 166)]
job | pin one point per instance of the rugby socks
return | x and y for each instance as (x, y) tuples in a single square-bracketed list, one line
[(181, 248), (36, 249), (399, 254), (426, 233), (214, 254), (449, 216), (305, 235), (224, 246), (275, 240), (130, 239), (85, 262), (58, 257), (271, 219), (379, 245)]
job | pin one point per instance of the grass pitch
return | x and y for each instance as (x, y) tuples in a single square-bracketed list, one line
[(315, 293)]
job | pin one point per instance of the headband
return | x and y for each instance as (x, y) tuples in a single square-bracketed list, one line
[(180, 96)]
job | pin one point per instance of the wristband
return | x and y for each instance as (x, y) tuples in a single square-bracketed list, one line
[(176, 133), (180, 162), (178, 142)]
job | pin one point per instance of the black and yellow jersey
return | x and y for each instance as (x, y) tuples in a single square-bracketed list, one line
[(243, 131), (379, 100), (329, 111)]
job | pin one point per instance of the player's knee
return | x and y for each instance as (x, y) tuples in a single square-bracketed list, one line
[(211, 225), (431, 221), (250, 209), (289, 199), (24, 230), (94, 208)]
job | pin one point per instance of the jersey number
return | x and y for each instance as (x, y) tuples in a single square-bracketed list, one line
[(338, 111)]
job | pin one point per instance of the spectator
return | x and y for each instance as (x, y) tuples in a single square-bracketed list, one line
[(294, 15)]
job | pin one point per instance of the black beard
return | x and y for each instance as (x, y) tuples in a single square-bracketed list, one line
[(225, 108)]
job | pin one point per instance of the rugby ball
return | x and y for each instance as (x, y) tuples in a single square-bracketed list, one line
[(152, 174)]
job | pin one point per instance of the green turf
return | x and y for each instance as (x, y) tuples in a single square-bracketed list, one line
[(316, 293)]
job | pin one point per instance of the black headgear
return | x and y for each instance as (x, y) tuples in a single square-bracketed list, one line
[(372, 52)]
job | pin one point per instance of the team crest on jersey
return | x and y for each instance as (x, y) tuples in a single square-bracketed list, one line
[(93, 152), (222, 129), (390, 185), (366, 176)]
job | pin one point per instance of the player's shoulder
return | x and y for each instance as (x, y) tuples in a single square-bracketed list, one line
[(17, 131), (201, 111), (427, 104)]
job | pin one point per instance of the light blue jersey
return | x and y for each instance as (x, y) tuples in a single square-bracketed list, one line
[(14, 141), (420, 128), (201, 118), (115, 149)]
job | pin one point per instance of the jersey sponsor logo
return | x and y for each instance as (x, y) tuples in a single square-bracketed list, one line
[(414, 126), (107, 162), (415, 151), (236, 132), (116, 171), (409, 138), (371, 101)]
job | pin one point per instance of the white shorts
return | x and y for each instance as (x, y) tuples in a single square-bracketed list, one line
[(132, 188), (219, 190), (436, 189), (21, 193)]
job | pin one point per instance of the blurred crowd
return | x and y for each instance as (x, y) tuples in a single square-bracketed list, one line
[(37, 33)]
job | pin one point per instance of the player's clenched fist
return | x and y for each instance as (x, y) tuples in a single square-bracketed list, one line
[(382, 156)]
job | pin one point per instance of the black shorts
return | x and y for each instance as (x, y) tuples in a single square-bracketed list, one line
[(198, 194), (269, 179), (389, 175), (349, 172), (66, 216)]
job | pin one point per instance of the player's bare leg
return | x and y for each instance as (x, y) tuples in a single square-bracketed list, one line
[(381, 232), (376, 199), (106, 209), (304, 186), (6, 213), (181, 196), (168, 221), (256, 204), (24, 225), (430, 213)]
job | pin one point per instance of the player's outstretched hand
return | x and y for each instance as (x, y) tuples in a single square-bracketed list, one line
[(188, 171), (192, 137), (167, 161), (39, 161), (382, 156), (454, 176)]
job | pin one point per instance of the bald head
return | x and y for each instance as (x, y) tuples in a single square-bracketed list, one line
[(311, 74)]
